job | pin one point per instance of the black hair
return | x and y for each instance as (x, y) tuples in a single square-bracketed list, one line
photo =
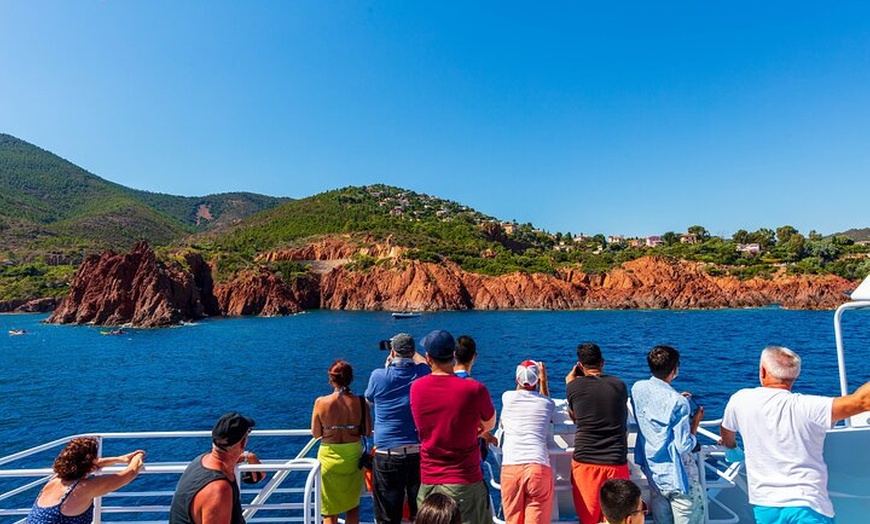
[(619, 499), (589, 355), (465, 349), (662, 361)]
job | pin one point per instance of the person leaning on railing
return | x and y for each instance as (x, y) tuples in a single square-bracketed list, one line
[(207, 492), (68, 498)]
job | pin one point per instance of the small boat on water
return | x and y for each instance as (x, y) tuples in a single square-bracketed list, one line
[(405, 314), (114, 332), (292, 490), (14, 332)]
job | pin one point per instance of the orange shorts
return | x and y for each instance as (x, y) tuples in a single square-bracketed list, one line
[(586, 481), (527, 493)]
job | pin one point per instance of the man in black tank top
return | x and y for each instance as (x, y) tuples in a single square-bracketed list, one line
[(207, 492)]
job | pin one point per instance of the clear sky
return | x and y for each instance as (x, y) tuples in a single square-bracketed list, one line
[(627, 118)]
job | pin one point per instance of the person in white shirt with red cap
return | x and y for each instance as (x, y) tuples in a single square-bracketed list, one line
[(526, 477)]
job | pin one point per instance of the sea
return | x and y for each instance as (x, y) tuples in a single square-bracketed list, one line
[(62, 380)]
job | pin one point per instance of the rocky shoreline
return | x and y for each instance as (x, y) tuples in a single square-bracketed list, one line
[(137, 289)]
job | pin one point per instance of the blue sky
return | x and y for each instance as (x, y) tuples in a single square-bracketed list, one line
[(607, 117)]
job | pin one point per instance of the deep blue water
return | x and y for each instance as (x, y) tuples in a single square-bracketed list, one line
[(59, 380), (62, 380)]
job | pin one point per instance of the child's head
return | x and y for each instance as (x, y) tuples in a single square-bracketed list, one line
[(621, 502)]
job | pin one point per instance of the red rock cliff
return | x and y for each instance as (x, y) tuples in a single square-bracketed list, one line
[(136, 289), (647, 282)]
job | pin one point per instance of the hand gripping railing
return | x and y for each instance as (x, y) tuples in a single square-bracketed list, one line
[(310, 490)]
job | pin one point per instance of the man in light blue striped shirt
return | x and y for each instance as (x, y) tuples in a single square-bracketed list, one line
[(666, 440)]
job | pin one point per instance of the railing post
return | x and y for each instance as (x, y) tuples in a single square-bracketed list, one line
[(98, 502)]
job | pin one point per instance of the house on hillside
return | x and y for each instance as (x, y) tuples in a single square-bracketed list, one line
[(749, 249), (654, 241), (688, 238)]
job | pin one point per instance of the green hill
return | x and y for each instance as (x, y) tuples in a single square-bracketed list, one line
[(53, 213), (435, 229), (48, 203), (431, 227)]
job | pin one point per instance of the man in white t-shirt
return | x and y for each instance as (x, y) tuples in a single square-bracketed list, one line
[(526, 477), (783, 436)]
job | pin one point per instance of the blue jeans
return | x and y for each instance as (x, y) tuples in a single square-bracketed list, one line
[(789, 515), (679, 508)]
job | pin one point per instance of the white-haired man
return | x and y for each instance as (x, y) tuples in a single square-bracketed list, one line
[(783, 436)]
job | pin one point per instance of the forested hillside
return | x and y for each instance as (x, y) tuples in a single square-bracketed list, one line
[(434, 229), (53, 213)]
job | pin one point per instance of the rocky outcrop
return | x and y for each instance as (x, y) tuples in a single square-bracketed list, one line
[(139, 290), (263, 293), (336, 248), (645, 283), (37, 305), (135, 289)]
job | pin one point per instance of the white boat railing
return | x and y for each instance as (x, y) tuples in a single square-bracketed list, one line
[(129, 503), (718, 481), (860, 300)]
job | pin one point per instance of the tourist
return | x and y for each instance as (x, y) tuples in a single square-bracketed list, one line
[(527, 481), (207, 492), (621, 502), (465, 354), (396, 468), (597, 403), (439, 508), (68, 498), (450, 413), (666, 444), (337, 420), (783, 436)]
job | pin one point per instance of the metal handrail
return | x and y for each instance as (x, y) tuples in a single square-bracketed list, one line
[(309, 506)]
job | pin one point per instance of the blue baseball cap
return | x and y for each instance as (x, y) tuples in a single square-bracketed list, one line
[(439, 345)]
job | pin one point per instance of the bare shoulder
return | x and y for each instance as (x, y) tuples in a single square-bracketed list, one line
[(215, 492)]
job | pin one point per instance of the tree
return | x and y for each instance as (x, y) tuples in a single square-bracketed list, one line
[(700, 233), (784, 233), (764, 237), (670, 238), (741, 236)]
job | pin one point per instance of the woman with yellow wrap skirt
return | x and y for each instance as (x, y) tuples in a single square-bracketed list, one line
[(336, 421)]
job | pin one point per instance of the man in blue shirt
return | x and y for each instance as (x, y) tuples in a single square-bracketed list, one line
[(666, 440), (396, 468)]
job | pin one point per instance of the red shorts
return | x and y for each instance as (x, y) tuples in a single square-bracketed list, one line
[(586, 481)]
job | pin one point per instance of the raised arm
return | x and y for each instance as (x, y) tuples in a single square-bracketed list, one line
[(102, 484), (857, 402), (545, 387), (121, 459)]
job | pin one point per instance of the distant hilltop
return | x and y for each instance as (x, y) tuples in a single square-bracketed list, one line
[(54, 214)]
